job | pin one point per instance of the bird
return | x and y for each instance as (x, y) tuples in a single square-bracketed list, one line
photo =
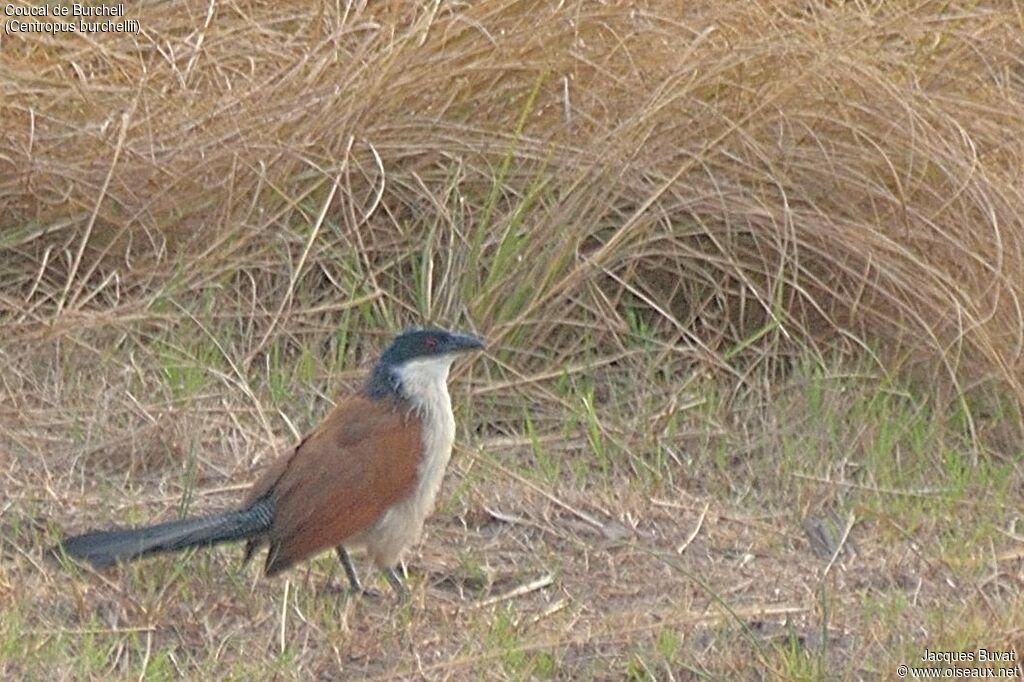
[(366, 476)]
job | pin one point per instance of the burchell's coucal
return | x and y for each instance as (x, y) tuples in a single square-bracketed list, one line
[(366, 476)]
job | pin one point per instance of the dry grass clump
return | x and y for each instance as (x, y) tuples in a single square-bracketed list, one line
[(721, 169)]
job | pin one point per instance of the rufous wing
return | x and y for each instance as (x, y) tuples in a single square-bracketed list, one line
[(360, 460)]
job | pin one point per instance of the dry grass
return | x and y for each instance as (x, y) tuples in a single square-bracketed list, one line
[(749, 270)]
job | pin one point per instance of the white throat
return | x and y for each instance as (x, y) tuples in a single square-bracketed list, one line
[(425, 383)]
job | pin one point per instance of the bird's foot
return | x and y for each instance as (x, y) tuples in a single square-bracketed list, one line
[(366, 593)]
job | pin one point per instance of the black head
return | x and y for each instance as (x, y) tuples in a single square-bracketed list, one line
[(424, 343), (415, 344)]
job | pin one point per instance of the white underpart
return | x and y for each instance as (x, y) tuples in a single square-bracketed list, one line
[(425, 383)]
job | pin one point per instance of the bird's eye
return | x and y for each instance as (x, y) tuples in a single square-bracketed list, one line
[(430, 342)]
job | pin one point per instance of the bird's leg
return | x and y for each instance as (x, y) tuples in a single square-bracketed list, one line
[(350, 570), (356, 587), (393, 576)]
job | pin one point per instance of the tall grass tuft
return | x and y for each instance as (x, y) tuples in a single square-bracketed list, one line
[(745, 178)]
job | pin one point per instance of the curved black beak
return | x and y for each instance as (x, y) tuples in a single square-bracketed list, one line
[(462, 343)]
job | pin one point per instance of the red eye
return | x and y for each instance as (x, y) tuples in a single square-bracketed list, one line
[(430, 342)]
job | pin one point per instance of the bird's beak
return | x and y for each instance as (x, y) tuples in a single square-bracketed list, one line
[(461, 343)]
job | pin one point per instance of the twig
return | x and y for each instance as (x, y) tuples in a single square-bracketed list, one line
[(284, 613), (850, 520), (1011, 555), (93, 631), (526, 588), (920, 492), (700, 522), (145, 657), (549, 611), (505, 517), (754, 522)]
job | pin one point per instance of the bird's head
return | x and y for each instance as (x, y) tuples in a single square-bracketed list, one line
[(418, 358)]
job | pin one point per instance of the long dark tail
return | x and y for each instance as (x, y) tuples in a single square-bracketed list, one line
[(103, 548)]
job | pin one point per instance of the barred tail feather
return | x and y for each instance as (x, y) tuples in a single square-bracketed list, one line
[(104, 548)]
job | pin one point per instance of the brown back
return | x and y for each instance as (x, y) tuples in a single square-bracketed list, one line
[(360, 460)]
